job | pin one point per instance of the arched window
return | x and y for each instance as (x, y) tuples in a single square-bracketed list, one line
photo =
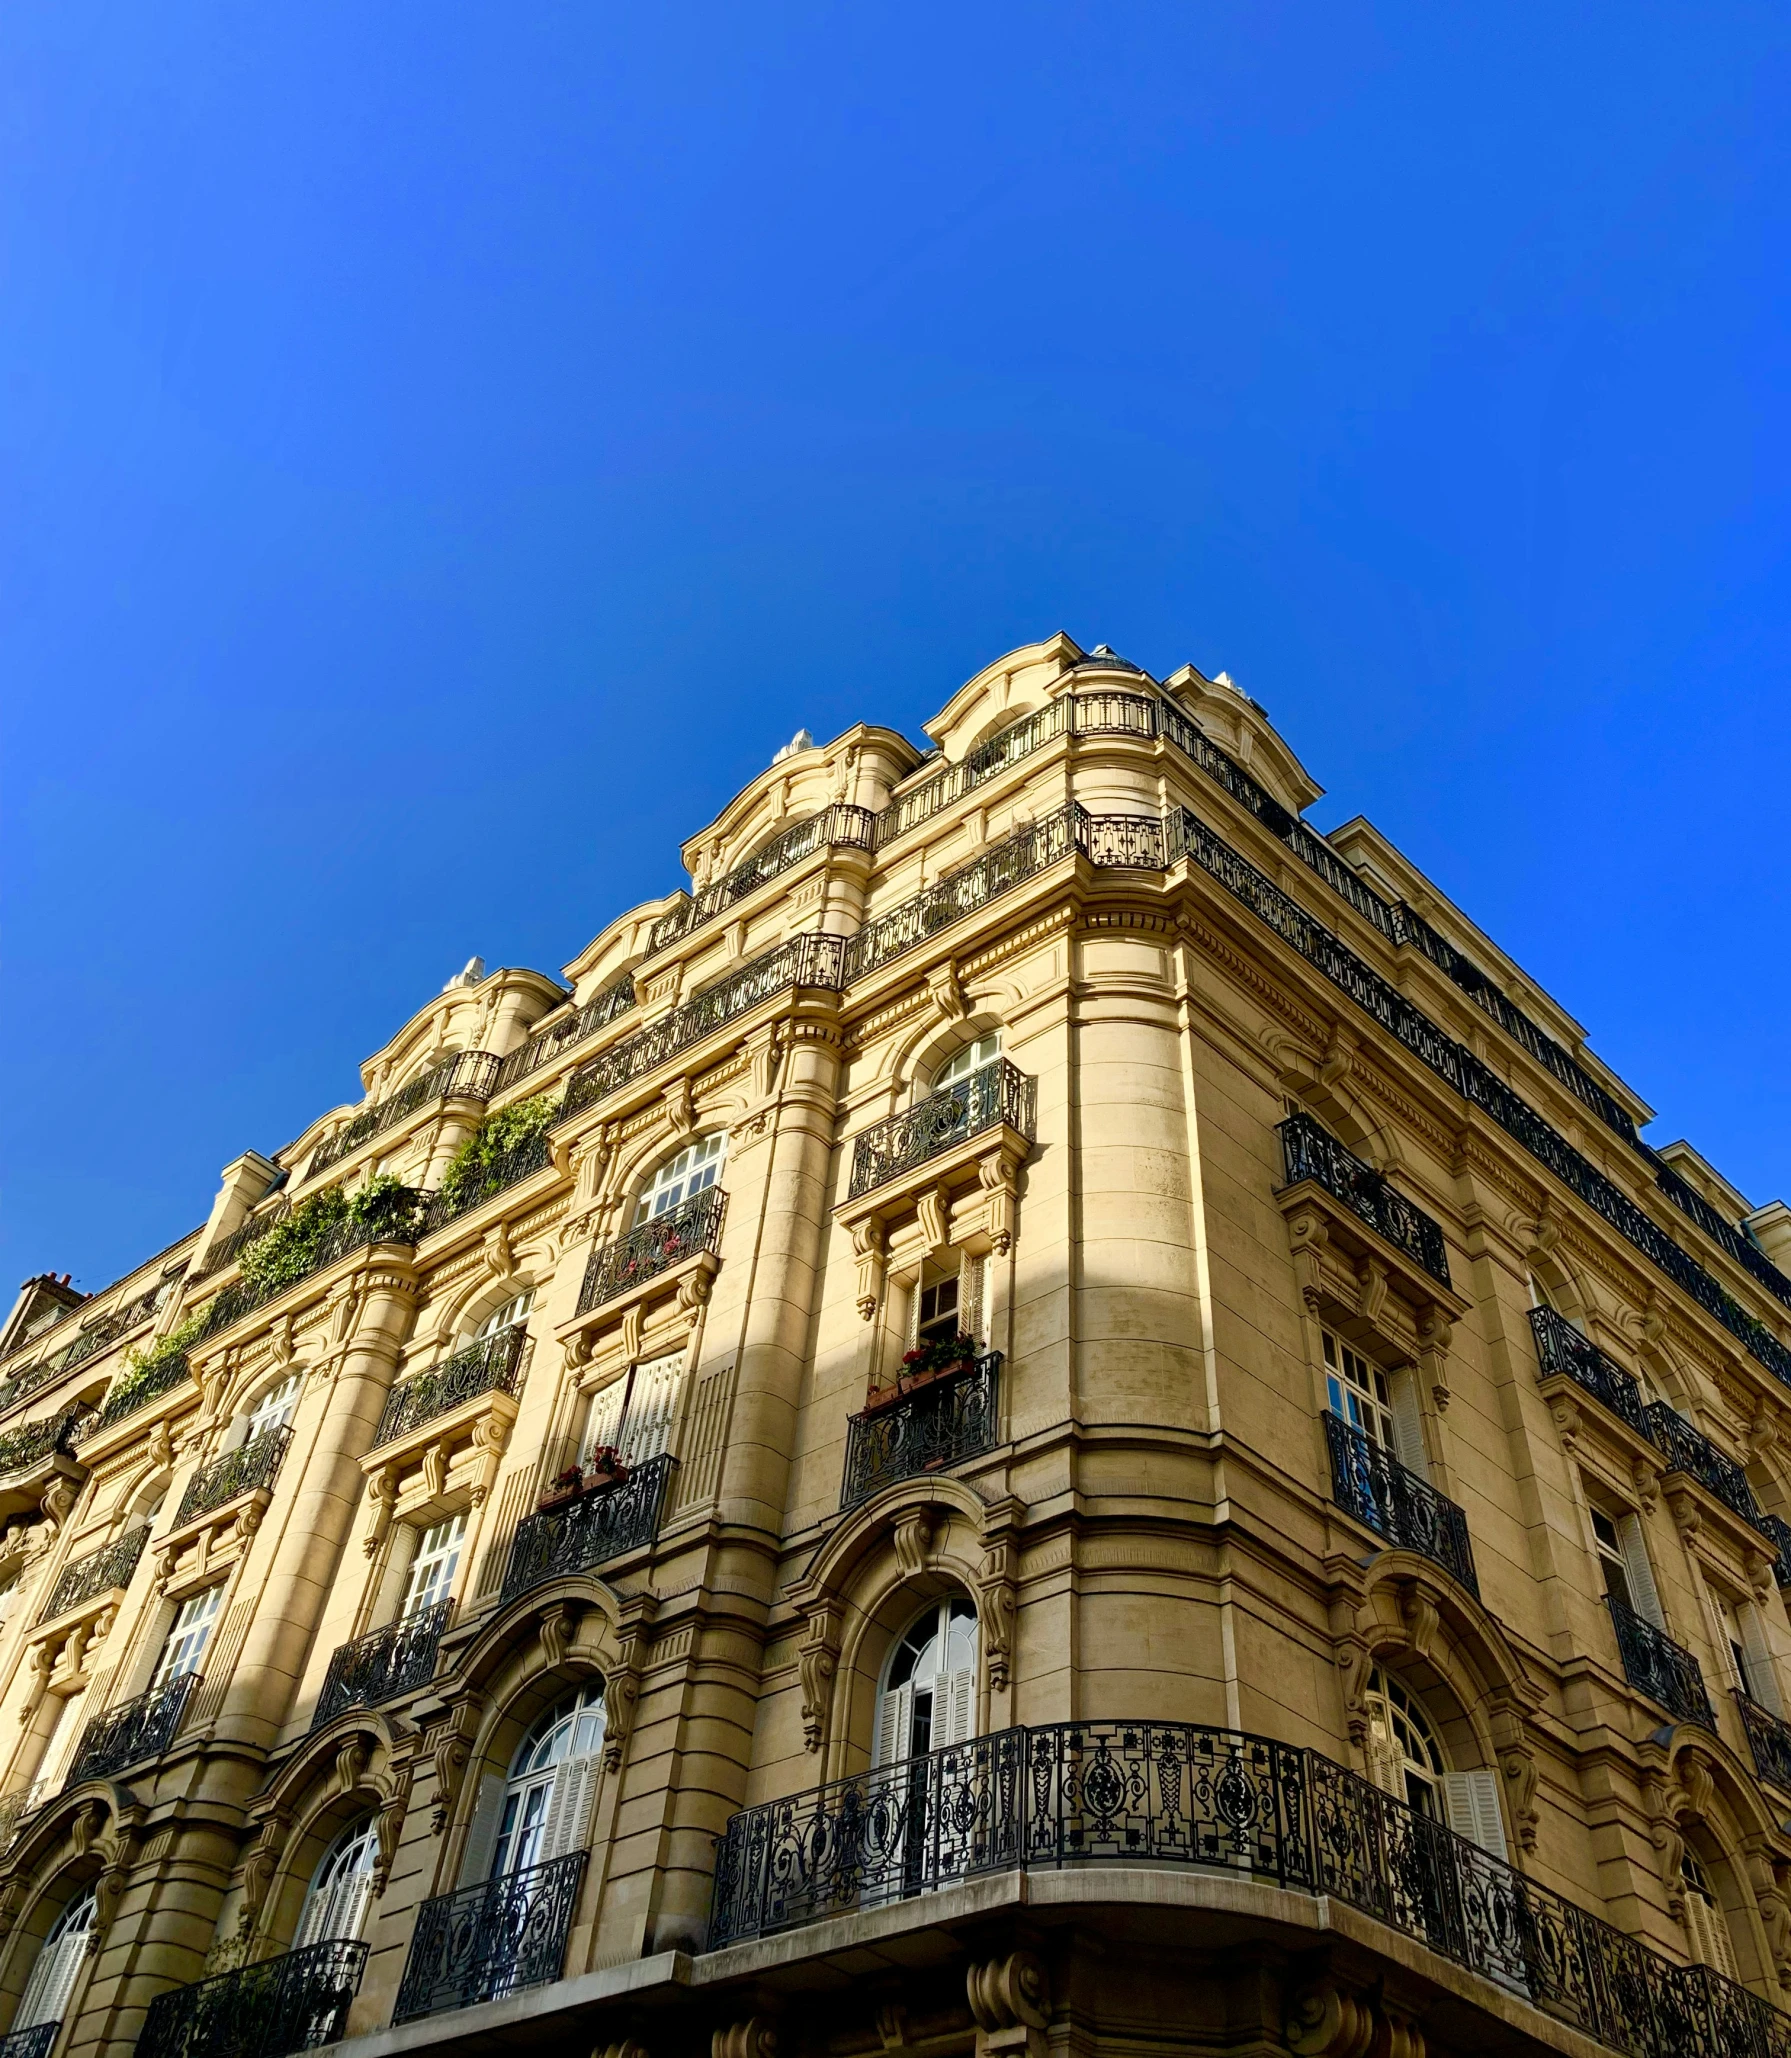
[(514, 1310), (929, 1686), (1406, 1759), (697, 1165), (274, 1410), (1706, 1926), (546, 1803), (341, 1887), (972, 1058), (53, 1975)]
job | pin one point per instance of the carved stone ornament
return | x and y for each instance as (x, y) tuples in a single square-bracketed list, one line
[(1326, 2020), (754, 2038), (1011, 2000), (914, 1541), (818, 1662), (870, 1243), (999, 1176), (453, 1751), (995, 1609)]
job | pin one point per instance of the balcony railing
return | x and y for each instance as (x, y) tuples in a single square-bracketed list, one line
[(23, 1801), (399, 1221), (97, 1573), (800, 961), (132, 1390), (693, 1225), (139, 1730), (467, 1074), (1312, 1153), (502, 1173), (589, 1531), (547, 1044), (252, 1231), (493, 1365), (1769, 1739), (103, 1334), (1405, 1511), (1777, 1532), (382, 1665), (985, 1099), (1172, 1794), (839, 824), (32, 1442), (22, 1385), (928, 1430), (1561, 1348), (1658, 1667), (30, 2043), (491, 1940), (1686, 1450), (245, 1470), (291, 2003)]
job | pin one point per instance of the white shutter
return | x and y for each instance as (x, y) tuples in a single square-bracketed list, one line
[(1639, 1570), (651, 1407), (605, 1419), (335, 1915), (1471, 1802), (1707, 1929), (481, 1838), (895, 1722), (971, 1273), (912, 1336), (52, 1978), (1762, 1675), (1408, 1423), (569, 1809), (59, 1751), (954, 1708), (1386, 1761)]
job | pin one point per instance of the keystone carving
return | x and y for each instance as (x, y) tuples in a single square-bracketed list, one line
[(913, 1541)]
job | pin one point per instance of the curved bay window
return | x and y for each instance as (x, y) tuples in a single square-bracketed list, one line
[(1406, 1759), (928, 1696), (57, 1965), (341, 1888), (696, 1167)]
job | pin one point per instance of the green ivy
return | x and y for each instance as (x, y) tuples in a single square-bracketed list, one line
[(288, 1250), (477, 1167), (142, 1365)]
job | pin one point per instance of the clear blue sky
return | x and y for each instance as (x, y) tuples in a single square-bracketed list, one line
[(445, 450)]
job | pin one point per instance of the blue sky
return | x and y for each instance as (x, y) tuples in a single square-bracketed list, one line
[(445, 450)]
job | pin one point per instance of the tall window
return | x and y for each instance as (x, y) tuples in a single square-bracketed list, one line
[(514, 1310), (53, 1973), (341, 1887), (1623, 1558), (697, 1165), (1748, 1654), (1406, 1759), (1382, 1404), (432, 1569), (275, 1408), (1706, 1926), (59, 1749), (972, 1058), (188, 1636), (547, 1798), (929, 1687), (945, 1304), (634, 1414)]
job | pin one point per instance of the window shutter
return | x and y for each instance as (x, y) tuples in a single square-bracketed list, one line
[(1640, 1571), (569, 1809), (335, 1915), (971, 1275), (954, 1708), (912, 1333), (1762, 1675), (895, 1717), (52, 1978), (1408, 1423), (1386, 1762), (605, 1420), (481, 1838), (652, 1407), (1707, 1929), (1471, 1802)]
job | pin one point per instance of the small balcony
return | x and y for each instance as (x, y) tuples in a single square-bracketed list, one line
[(468, 1074), (249, 1469), (617, 1267), (1687, 1451), (132, 1391), (138, 1731), (493, 1365), (1562, 1351), (291, 2003), (1658, 1667), (106, 1570), (448, 1205), (1777, 1532), (25, 1448), (1406, 1512), (839, 824), (992, 1097), (382, 1665), (589, 1530), (491, 1940), (1313, 1153), (1769, 1739), (954, 1417), (35, 2042), (547, 1044)]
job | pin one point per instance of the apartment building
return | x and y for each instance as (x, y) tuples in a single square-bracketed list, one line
[(1051, 1413)]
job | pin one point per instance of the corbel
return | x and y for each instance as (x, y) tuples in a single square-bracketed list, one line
[(763, 1055), (491, 1436), (1435, 1334), (1349, 1648), (1011, 2000), (934, 1209), (995, 1590), (382, 1493), (1669, 1844), (754, 2038), (818, 1661), (435, 1469), (452, 1753), (388, 1827), (1372, 1280), (622, 1681), (259, 1866), (998, 1175), (679, 1110), (1688, 1517), (1309, 1234), (632, 1320), (555, 1631), (1517, 1766), (913, 1535), (1328, 2020), (1646, 1477), (870, 1244), (946, 994), (495, 1253)]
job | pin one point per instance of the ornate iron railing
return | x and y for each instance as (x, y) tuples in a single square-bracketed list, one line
[(1687, 1450), (23, 1801), (492, 1365), (808, 960), (1560, 1348), (1777, 1531), (1174, 1794), (32, 1442), (132, 1390), (591, 1530), (693, 1225), (547, 1044), (130, 1734), (97, 1573), (491, 1940), (1769, 1738), (987, 761), (1658, 1667), (987, 1098), (400, 1221), (1313, 1153), (937, 1425), (1405, 1511), (34, 2042), (502, 1173), (838, 824), (291, 2003), (466, 1075), (22, 1385), (252, 1231), (103, 1334), (246, 1469), (382, 1665)]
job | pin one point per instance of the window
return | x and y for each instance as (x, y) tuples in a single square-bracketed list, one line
[(513, 1311), (59, 1750), (936, 1313), (944, 1304), (53, 1974), (187, 1637), (929, 1690), (1383, 1405), (1623, 1555), (432, 1569), (1746, 1650), (972, 1058), (635, 1413), (275, 1408), (1706, 1926), (9, 1593), (697, 1165), (341, 1887), (1405, 1759), (546, 1801)]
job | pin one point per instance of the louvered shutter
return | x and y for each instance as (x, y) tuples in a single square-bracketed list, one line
[(1707, 1930), (335, 1915), (604, 1423), (954, 1708), (1640, 1572), (569, 1809), (1471, 1802), (970, 1298), (1386, 1762), (652, 1406), (481, 1839), (895, 1720), (1408, 1423), (52, 1979), (1762, 1674)]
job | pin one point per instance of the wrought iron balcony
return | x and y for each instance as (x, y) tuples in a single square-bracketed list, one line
[(23, 1801), (1686, 1450), (251, 1466), (800, 961), (32, 1442), (839, 824), (936, 1426), (400, 1220), (590, 1530), (382, 1665), (97, 1573), (547, 1044), (252, 1231), (132, 1390), (510, 1170), (30, 2043), (291, 2003), (1313, 1153), (128, 1735), (491, 1940), (1405, 1511), (101, 1335), (493, 1365), (22, 1385), (1777, 1531), (986, 1099), (693, 1225), (1561, 1348), (1658, 1667), (467, 1074), (1769, 1739)]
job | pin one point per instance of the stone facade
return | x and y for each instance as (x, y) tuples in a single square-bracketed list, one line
[(1051, 1414)]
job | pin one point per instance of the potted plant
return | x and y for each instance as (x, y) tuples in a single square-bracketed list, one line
[(606, 1466), (568, 1487), (937, 1358)]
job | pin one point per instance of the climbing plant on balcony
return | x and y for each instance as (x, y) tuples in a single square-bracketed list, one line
[(144, 1366), (289, 1249), (486, 1160)]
